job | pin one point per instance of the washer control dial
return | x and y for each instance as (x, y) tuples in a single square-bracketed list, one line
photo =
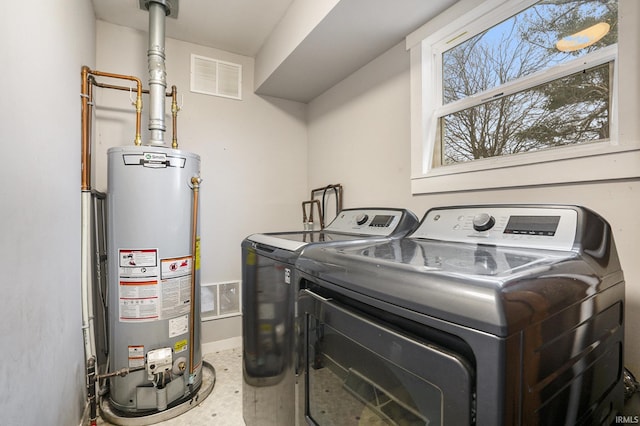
[(483, 222), (362, 218)]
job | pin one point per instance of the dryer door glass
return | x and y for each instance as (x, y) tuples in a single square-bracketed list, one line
[(359, 372)]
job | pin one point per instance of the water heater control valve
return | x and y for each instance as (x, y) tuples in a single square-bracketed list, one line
[(159, 361), (179, 365)]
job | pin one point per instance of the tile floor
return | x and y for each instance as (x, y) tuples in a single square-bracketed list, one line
[(223, 406)]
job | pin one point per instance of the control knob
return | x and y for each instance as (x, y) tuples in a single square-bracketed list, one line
[(362, 218), (483, 222)]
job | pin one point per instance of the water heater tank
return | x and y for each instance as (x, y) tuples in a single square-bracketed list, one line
[(150, 233)]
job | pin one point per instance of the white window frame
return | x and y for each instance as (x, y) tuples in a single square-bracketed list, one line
[(603, 160)]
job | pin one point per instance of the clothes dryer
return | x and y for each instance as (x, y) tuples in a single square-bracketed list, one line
[(269, 289), (485, 315)]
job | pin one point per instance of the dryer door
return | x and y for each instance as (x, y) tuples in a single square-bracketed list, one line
[(358, 371)]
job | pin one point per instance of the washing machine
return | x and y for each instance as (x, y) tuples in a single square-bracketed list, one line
[(269, 289), (485, 315)]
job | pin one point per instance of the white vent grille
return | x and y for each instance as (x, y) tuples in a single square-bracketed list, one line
[(215, 77), (220, 300)]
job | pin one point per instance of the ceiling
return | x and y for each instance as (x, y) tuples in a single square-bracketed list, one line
[(237, 26), (352, 34)]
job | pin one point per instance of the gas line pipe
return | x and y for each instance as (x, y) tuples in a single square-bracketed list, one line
[(195, 182)]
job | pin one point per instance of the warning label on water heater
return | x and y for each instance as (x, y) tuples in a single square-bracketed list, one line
[(139, 301), (139, 285), (153, 289), (136, 356), (176, 267), (138, 263), (176, 286)]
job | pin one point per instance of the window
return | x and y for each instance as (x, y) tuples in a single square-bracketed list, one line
[(513, 84), (568, 111)]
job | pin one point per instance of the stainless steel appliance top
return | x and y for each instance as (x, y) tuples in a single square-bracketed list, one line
[(492, 268), (350, 224)]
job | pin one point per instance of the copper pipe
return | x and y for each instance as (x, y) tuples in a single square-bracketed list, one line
[(311, 203), (89, 130), (138, 103), (337, 186), (174, 105), (85, 155), (195, 181), (124, 88), (174, 115), (338, 191), (113, 86)]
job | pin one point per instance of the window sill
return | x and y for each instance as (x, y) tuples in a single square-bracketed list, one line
[(622, 164)]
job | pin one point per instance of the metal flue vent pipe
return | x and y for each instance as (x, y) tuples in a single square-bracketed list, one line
[(158, 10)]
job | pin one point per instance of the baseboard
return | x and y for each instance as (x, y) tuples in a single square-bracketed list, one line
[(222, 345)]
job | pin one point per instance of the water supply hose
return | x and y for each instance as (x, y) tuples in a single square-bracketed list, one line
[(324, 207)]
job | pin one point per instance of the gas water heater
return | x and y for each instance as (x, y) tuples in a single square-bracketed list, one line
[(153, 255), (154, 277)]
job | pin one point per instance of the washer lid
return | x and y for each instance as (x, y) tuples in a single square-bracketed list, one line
[(498, 290), (294, 241), (349, 225)]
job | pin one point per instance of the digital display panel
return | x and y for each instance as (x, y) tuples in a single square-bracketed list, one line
[(381, 221), (532, 225)]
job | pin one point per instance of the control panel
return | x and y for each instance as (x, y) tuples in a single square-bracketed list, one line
[(159, 361), (535, 227), (380, 222)]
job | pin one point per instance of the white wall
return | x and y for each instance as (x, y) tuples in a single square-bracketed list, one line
[(359, 132), (359, 135), (253, 151), (44, 46)]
